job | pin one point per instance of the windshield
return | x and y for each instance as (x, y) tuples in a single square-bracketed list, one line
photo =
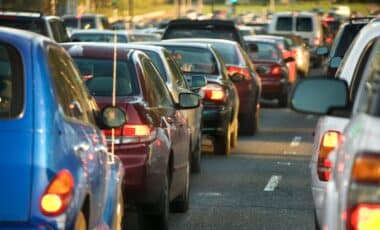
[(35, 25), (194, 60), (98, 73)]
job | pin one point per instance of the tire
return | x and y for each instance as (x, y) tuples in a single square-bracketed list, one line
[(80, 221), (181, 204), (159, 220), (283, 100), (196, 157), (222, 145), (234, 134), (249, 123)]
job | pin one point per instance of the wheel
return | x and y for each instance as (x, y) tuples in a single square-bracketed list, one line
[(181, 204), (222, 145), (159, 220), (196, 157), (234, 134), (249, 122), (80, 222), (283, 101), (119, 221)]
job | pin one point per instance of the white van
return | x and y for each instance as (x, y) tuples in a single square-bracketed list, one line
[(305, 24)]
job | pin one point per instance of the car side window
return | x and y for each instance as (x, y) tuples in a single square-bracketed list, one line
[(58, 30), (178, 76), (72, 97), (11, 82), (369, 92), (157, 93)]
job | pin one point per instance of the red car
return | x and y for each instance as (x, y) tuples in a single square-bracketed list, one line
[(272, 68), (154, 145)]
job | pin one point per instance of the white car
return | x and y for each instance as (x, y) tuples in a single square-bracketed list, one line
[(328, 126), (346, 199)]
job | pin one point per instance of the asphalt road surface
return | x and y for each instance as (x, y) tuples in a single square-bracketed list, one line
[(264, 184)]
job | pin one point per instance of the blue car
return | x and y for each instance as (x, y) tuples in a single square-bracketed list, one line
[(55, 170)]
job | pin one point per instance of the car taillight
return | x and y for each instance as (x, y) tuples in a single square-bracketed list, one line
[(363, 194), (365, 217), (133, 133), (240, 70), (58, 194), (276, 70), (329, 40), (317, 41), (330, 141), (214, 92)]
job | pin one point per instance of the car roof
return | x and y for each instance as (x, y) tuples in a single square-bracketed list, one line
[(154, 48), (167, 42), (265, 37)]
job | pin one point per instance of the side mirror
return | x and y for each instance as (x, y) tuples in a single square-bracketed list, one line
[(289, 59), (335, 62), (319, 95), (188, 100), (236, 77), (197, 81), (322, 51), (113, 117)]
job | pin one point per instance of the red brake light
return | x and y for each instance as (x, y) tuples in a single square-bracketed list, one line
[(58, 194), (276, 70), (330, 140), (133, 133), (365, 216), (214, 92), (366, 169), (237, 69)]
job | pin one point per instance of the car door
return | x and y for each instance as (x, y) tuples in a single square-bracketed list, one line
[(173, 120), (87, 142)]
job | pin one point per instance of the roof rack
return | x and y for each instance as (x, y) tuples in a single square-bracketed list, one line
[(25, 13)]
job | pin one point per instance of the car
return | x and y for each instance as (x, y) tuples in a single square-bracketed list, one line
[(221, 99), (60, 171), (49, 26), (248, 87), (246, 30), (287, 53), (86, 21), (305, 24), (342, 42), (154, 145), (302, 53), (215, 28), (272, 68), (330, 25), (176, 83), (332, 125), (260, 27), (109, 36)]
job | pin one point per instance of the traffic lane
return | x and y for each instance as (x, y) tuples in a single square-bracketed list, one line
[(229, 192)]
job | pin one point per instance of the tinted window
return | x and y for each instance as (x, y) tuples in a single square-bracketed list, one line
[(92, 37), (31, 24), (200, 33), (156, 59), (304, 24), (71, 22), (72, 96), (98, 76), (344, 39), (261, 50), (59, 31), (284, 23), (194, 60), (11, 82), (178, 76), (229, 53)]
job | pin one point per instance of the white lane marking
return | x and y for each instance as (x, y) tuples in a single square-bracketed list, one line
[(272, 183), (296, 141), (290, 153), (284, 163), (209, 194)]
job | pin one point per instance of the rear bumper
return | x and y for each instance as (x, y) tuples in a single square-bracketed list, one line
[(215, 120), (274, 88)]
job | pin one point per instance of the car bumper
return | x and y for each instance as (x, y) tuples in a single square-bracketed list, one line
[(274, 88), (215, 120)]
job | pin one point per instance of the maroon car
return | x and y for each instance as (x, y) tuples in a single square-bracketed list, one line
[(272, 68), (154, 145)]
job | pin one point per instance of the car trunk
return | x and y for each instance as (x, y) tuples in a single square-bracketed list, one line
[(15, 172)]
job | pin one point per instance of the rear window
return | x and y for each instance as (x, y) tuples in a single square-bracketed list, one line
[(304, 24), (35, 25), (98, 76), (11, 82), (92, 37), (194, 60), (263, 51), (157, 62), (200, 33), (229, 53), (284, 24)]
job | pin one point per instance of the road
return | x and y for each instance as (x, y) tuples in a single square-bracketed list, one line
[(264, 184)]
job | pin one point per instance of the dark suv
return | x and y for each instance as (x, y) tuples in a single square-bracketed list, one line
[(49, 26), (186, 28), (342, 42)]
